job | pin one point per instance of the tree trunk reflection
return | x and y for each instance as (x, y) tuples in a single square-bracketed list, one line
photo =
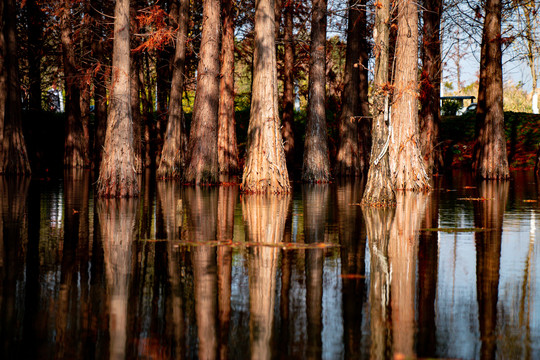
[(265, 217), (489, 215)]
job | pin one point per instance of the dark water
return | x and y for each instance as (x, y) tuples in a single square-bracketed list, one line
[(187, 272)]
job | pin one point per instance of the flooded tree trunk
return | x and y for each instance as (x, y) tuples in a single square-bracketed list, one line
[(117, 176), (171, 162), (365, 122), (202, 162), (489, 215), (316, 166), (13, 155), (265, 217), (136, 115), (75, 144), (379, 190), (227, 147), (490, 157), (288, 85), (265, 170), (35, 33), (430, 86), (406, 163)]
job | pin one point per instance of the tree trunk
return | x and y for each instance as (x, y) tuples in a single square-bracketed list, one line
[(288, 85), (75, 144), (348, 152), (135, 101), (265, 169), (227, 147), (316, 166), (13, 155), (490, 158), (430, 87), (407, 166), (379, 190), (117, 177), (365, 124), (35, 32), (202, 149), (174, 148)]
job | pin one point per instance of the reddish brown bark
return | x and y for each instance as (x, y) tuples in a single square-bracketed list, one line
[(117, 176), (35, 53), (202, 148), (227, 147), (13, 155), (316, 166), (406, 164), (490, 157), (265, 169), (288, 84)]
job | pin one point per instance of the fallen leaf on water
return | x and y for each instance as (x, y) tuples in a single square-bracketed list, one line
[(530, 201), (475, 199), (469, 187), (352, 276)]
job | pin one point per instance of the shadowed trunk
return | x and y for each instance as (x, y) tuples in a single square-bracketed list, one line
[(430, 86), (265, 170), (175, 146), (117, 176), (136, 111), (490, 158), (379, 190), (35, 53), (288, 84), (406, 164), (202, 163), (316, 166), (13, 154)]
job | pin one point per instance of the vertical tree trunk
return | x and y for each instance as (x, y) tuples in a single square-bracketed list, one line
[(365, 124), (490, 158), (13, 155), (227, 147), (265, 169), (202, 149), (316, 166), (35, 32), (406, 164), (430, 86), (135, 101), (379, 190), (348, 152), (172, 156), (117, 177), (288, 84), (76, 153)]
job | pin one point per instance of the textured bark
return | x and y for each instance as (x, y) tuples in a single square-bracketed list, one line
[(174, 148), (316, 166), (365, 124), (379, 190), (76, 146), (489, 215), (227, 147), (430, 86), (117, 176), (490, 158), (135, 101), (264, 216), (288, 84), (35, 33), (406, 164), (13, 155), (265, 169), (347, 163), (202, 149)]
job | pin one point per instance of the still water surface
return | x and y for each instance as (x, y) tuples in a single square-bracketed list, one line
[(187, 272)]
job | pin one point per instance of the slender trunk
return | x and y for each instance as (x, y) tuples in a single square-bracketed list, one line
[(379, 190), (135, 101), (172, 156), (265, 169), (288, 84), (75, 144), (117, 176), (202, 149), (13, 155), (365, 124), (407, 166), (490, 158), (227, 147), (316, 166), (35, 32), (430, 87)]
